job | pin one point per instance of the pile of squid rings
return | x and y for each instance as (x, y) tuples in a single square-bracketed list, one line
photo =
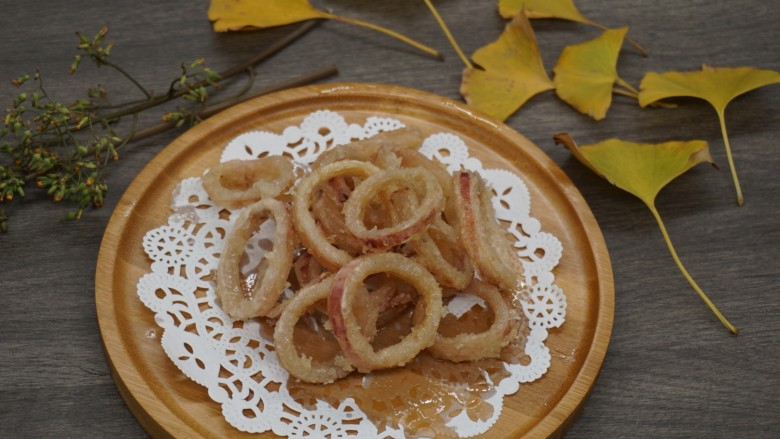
[(372, 231)]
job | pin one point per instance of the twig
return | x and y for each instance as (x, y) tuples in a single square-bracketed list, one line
[(216, 108), (238, 68), (272, 50)]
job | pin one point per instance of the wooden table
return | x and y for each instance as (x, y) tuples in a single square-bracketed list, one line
[(671, 370)]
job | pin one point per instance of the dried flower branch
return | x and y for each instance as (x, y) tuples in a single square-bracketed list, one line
[(64, 149)]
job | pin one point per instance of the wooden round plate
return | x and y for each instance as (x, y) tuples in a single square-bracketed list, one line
[(167, 404)]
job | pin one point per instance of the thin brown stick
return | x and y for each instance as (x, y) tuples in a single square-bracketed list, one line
[(230, 72), (272, 50), (211, 110), (216, 108)]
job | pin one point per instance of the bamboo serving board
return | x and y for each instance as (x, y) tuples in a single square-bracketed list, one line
[(167, 404)]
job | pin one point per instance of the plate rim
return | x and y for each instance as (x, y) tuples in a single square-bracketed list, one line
[(137, 393)]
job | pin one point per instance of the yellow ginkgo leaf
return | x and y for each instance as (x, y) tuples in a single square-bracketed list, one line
[(718, 86), (643, 170), (512, 71), (560, 9), (252, 14), (586, 73), (242, 14)]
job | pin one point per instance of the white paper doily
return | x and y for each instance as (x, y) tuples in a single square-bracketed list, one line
[(237, 364)]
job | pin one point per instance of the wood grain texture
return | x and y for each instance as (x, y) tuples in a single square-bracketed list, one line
[(671, 369)]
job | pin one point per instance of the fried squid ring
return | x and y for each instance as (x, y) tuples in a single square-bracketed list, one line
[(271, 273), (483, 238), (326, 210), (486, 344), (300, 366), (381, 305), (310, 234), (306, 269), (365, 150), (413, 158), (237, 183), (414, 219), (348, 282), (440, 251)]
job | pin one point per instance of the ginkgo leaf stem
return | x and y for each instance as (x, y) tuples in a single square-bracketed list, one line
[(630, 41), (688, 277), (396, 35), (622, 92), (722, 120), (635, 95), (640, 48), (619, 81), (447, 32)]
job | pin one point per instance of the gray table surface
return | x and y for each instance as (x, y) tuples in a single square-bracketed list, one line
[(671, 370)]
